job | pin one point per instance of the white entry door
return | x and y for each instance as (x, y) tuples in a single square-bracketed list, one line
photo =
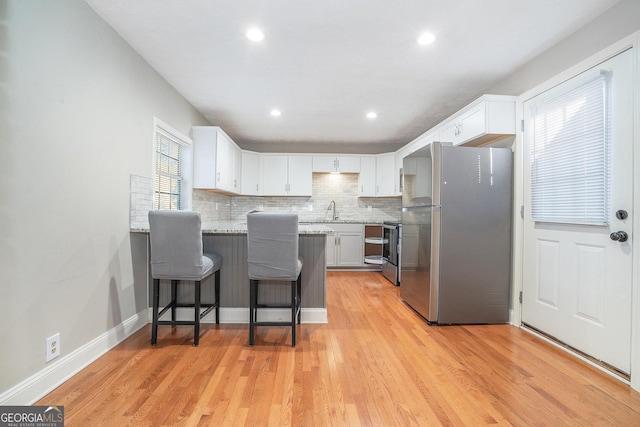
[(577, 278)]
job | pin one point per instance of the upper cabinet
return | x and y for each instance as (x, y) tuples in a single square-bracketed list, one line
[(489, 118), (251, 173), (216, 160), (385, 175), (377, 174), (367, 178), (343, 164), (286, 175)]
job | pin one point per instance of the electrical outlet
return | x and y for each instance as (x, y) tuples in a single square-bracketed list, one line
[(52, 347), (369, 208)]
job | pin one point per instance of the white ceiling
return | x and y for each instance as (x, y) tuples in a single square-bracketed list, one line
[(325, 64)]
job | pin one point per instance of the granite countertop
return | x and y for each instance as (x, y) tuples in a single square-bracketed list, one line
[(240, 227), (312, 226), (339, 221)]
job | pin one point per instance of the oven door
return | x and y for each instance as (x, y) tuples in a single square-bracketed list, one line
[(390, 253), (390, 246)]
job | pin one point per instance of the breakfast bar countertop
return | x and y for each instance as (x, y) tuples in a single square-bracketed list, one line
[(240, 227)]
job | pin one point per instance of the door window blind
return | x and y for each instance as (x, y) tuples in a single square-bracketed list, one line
[(570, 156), (169, 172)]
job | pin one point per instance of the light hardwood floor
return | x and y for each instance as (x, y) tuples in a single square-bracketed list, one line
[(376, 363)]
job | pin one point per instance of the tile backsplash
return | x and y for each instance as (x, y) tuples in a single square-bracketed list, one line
[(341, 188), (140, 201)]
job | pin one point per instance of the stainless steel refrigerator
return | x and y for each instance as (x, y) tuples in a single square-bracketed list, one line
[(456, 233)]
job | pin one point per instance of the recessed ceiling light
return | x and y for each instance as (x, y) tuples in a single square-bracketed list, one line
[(255, 35), (372, 115), (426, 38), (276, 113)]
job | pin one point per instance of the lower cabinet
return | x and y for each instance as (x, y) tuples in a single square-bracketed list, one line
[(373, 244), (345, 246)]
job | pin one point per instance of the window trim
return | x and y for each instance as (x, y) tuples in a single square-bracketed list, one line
[(187, 165)]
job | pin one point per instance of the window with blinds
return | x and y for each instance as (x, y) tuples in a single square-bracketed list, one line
[(570, 156), (168, 187)]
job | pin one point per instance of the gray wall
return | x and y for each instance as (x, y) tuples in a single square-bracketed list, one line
[(77, 108), (618, 22)]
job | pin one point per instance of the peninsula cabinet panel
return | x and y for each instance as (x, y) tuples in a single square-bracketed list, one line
[(234, 276)]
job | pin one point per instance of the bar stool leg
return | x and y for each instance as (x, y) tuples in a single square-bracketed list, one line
[(217, 295), (174, 298), (252, 308), (299, 299), (294, 298), (196, 312), (156, 304)]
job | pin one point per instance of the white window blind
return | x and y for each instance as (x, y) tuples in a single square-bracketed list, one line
[(570, 156), (169, 171)]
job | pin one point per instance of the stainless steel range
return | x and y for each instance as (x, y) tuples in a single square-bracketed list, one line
[(391, 251)]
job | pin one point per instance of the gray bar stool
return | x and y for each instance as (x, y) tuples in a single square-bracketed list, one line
[(176, 255), (272, 243)]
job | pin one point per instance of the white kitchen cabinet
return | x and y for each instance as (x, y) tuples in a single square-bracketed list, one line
[(251, 174), (342, 164), (377, 175), (367, 178), (489, 118), (385, 175), (345, 246), (286, 175), (216, 160), (397, 169)]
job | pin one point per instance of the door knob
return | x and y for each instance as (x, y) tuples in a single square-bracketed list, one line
[(622, 214), (620, 236)]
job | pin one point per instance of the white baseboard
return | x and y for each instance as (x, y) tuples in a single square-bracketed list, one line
[(241, 315), (43, 382)]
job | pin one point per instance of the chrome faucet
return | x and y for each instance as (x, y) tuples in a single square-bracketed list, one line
[(333, 205)]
